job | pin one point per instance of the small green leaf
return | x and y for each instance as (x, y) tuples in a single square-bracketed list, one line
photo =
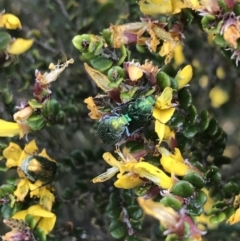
[(183, 189), (118, 229)]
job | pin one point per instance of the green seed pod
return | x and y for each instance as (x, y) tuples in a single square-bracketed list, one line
[(236, 9), (31, 221), (5, 39), (118, 229), (223, 5), (221, 217), (163, 80), (214, 219), (231, 189), (134, 212), (101, 63), (35, 104), (51, 108), (220, 41), (190, 131), (204, 120), (195, 179), (82, 42), (183, 189), (40, 168), (212, 128), (170, 201), (36, 122), (185, 98), (192, 114), (40, 234)]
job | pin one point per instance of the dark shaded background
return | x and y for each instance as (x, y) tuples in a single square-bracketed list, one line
[(74, 143)]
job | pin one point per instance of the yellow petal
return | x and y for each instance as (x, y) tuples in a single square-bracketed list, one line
[(128, 181), (154, 174), (178, 55), (163, 115), (177, 155), (100, 79), (8, 129), (166, 215), (46, 199), (20, 215), (165, 99), (43, 153), (19, 46), (22, 190), (12, 154), (168, 133), (106, 175), (151, 8), (134, 72), (30, 149), (9, 21), (173, 166), (178, 5), (38, 210), (184, 76), (159, 129), (94, 113), (23, 114), (47, 224), (218, 96), (235, 218), (111, 160)]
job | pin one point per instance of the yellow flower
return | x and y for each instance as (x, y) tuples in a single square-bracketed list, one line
[(15, 156), (132, 173), (44, 219), (163, 111), (94, 112), (9, 21), (184, 76), (235, 218), (152, 7), (19, 46), (9, 129), (174, 163), (166, 215), (218, 96), (178, 55)]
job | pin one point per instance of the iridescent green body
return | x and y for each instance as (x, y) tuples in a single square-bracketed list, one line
[(40, 168), (139, 111), (112, 128)]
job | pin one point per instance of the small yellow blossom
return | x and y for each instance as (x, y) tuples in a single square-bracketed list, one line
[(173, 163), (134, 72), (9, 21), (235, 218), (44, 219), (19, 46), (152, 7), (132, 172), (166, 215), (9, 129), (15, 156), (218, 96), (179, 57), (94, 113), (163, 111), (231, 35), (184, 76)]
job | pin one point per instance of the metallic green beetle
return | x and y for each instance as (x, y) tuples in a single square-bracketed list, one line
[(112, 128), (126, 120), (36, 167)]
